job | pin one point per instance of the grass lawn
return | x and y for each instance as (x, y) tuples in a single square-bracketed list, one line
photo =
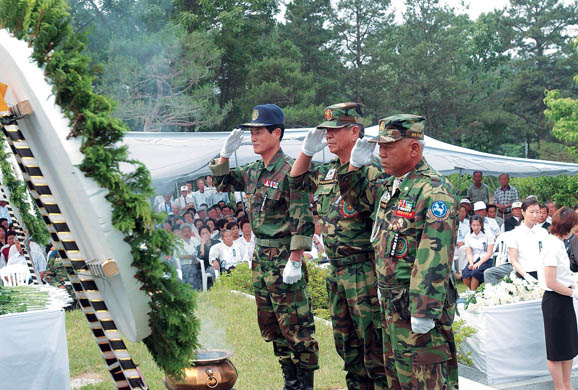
[(228, 321)]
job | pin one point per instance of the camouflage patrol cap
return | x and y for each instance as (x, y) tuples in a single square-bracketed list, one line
[(341, 115), (393, 128)]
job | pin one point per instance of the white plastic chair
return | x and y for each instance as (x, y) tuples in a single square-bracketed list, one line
[(500, 255), (205, 275), (15, 275)]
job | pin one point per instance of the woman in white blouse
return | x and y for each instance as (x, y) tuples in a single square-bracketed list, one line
[(557, 304), (526, 242), (479, 247), (226, 254)]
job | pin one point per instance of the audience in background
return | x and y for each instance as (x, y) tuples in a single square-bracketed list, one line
[(225, 255), (504, 196), (478, 191), (516, 218), (542, 220), (490, 225), (479, 245)]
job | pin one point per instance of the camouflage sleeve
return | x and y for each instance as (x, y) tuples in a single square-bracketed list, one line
[(360, 188), (227, 180), (432, 266), (306, 182), (301, 213)]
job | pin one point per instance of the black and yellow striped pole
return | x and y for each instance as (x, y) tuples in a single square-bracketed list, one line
[(113, 349)]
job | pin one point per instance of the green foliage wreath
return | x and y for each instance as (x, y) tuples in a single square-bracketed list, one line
[(45, 25)]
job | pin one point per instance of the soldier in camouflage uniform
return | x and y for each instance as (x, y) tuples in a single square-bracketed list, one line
[(414, 231), (281, 236), (352, 281)]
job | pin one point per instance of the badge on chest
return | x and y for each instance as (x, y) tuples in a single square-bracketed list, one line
[(271, 184), (405, 208)]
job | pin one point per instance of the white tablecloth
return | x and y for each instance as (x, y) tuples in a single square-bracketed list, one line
[(509, 344), (33, 351)]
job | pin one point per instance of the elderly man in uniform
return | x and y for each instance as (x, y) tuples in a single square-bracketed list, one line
[(352, 281), (281, 236), (413, 235)]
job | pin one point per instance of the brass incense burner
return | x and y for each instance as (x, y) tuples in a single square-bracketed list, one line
[(211, 370)]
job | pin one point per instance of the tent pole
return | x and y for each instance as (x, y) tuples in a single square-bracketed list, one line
[(460, 182)]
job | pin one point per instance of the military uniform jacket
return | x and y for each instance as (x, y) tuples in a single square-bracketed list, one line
[(275, 212), (345, 230), (413, 233)]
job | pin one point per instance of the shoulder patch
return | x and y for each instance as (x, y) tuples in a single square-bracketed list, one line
[(438, 211)]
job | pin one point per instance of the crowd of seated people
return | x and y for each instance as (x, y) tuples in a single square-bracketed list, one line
[(211, 230), (514, 231)]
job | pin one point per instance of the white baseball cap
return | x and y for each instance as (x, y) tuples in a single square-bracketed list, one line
[(517, 205), (465, 200), (479, 205)]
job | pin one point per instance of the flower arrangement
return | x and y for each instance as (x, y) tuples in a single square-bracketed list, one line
[(510, 290)]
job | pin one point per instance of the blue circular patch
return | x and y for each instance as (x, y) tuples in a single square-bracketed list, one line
[(439, 209)]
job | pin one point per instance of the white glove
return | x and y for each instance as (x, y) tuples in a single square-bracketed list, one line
[(529, 278), (575, 293), (421, 325), (314, 142), (362, 153), (232, 143), (292, 272)]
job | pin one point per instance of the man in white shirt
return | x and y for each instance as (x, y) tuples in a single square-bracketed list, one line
[(489, 224), (188, 257), (209, 188), (551, 210), (201, 196), (226, 253), (167, 205), (4, 211), (247, 240), (184, 199)]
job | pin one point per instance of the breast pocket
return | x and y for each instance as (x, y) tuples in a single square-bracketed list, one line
[(323, 197), (272, 201)]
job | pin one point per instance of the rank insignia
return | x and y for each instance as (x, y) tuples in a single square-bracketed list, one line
[(438, 211), (405, 208), (255, 115), (328, 114)]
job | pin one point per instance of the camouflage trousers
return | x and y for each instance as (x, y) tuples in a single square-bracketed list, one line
[(356, 320), (284, 310), (418, 361)]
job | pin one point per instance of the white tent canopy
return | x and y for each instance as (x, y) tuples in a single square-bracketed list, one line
[(174, 158)]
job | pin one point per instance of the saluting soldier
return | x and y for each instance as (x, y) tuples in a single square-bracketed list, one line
[(281, 236), (352, 281), (413, 236)]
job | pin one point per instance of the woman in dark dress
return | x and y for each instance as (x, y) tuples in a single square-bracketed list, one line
[(555, 278)]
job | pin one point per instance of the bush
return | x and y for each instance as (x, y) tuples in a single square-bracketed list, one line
[(240, 279), (461, 333)]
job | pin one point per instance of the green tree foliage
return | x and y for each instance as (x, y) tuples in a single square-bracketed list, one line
[(160, 74), (429, 66), (307, 28), (358, 25), (564, 113), (240, 29), (280, 80), (540, 33), (163, 81)]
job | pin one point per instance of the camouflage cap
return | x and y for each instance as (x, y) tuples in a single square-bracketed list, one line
[(396, 127), (341, 115)]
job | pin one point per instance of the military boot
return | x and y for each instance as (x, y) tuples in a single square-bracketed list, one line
[(290, 376), (305, 378)]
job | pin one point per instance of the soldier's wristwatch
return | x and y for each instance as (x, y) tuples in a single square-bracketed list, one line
[(296, 264)]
